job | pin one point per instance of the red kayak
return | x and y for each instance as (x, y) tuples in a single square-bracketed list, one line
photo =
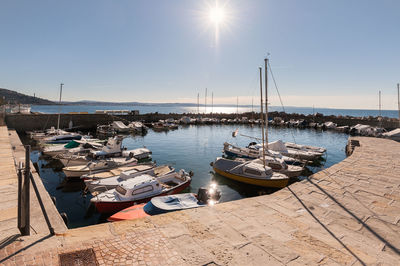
[(131, 213)]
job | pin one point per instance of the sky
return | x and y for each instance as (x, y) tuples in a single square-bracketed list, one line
[(326, 53)]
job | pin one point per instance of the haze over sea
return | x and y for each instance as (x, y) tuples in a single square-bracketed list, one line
[(180, 109)]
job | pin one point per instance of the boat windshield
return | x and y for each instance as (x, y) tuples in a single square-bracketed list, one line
[(150, 209), (120, 190)]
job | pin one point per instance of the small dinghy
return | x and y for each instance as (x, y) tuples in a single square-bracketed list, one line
[(140, 189), (164, 204), (97, 166), (102, 185)]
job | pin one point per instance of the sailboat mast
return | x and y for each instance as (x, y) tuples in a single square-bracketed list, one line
[(237, 106), (266, 101), (380, 113), (398, 100), (59, 107), (262, 118), (212, 103), (205, 103), (252, 109), (198, 103)]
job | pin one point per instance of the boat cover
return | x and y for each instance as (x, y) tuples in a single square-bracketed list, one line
[(72, 144), (277, 146), (176, 202)]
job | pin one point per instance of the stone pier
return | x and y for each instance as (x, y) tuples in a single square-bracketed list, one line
[(348, 214)]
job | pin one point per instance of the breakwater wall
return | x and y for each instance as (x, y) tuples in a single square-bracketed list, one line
[(27, 122)]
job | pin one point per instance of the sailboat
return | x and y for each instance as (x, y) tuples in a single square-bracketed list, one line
[(251, 172), (288, 149)]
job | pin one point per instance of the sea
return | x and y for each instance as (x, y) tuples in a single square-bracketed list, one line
[(180, 109), (192, 148)]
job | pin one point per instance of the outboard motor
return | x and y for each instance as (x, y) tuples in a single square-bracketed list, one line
[(204, 195)]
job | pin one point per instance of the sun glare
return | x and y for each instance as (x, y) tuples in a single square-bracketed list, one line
[(217, 15)]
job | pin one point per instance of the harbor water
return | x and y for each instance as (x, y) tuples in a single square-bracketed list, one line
[(191, 148)]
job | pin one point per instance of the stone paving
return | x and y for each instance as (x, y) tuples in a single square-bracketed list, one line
[(348, 214)]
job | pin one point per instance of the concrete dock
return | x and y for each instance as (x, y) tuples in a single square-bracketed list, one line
[(348, 214), (11, 153)]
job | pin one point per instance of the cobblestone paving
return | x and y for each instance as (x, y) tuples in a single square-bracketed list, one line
[(144, 247)]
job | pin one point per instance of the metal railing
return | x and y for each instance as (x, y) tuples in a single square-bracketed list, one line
[(25, 178)]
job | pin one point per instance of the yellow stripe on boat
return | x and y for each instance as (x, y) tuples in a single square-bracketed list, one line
[(275, 183)]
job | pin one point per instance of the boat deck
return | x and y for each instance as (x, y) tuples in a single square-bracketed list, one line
[(348, 214)]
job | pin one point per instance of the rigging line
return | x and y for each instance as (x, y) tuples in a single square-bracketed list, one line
[(254, 84), (279, 95)]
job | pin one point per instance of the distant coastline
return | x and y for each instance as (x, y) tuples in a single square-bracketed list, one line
[(181, 108)]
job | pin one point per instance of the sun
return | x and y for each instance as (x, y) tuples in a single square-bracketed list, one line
[(217, 15)]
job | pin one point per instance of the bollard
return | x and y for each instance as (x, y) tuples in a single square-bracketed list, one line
[(20, 166), (26, 225)]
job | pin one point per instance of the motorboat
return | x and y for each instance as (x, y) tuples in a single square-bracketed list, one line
[(137, 127), (104, 184), (120, 127), (105, 130), (111, 149), (170, 203), (304, 147), (302, 154), (140, 189), (74, 146), (254, 151), (394, 134), (38, 135), (277, 165), (117, 171), (96, 166), (160, 126), (250, 173), (61, 139)]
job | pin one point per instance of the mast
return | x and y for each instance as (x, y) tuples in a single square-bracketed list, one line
[(212, 103), (266, 101), (398, 100), (205, 102), (252, 111), (237, 107), (198, 103), (262, 118), (59, 107), (380, 113)]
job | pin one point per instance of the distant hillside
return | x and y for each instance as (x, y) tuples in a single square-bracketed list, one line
[(16, 97)]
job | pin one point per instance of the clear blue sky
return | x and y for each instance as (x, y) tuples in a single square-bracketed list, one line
[(335, 53)]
